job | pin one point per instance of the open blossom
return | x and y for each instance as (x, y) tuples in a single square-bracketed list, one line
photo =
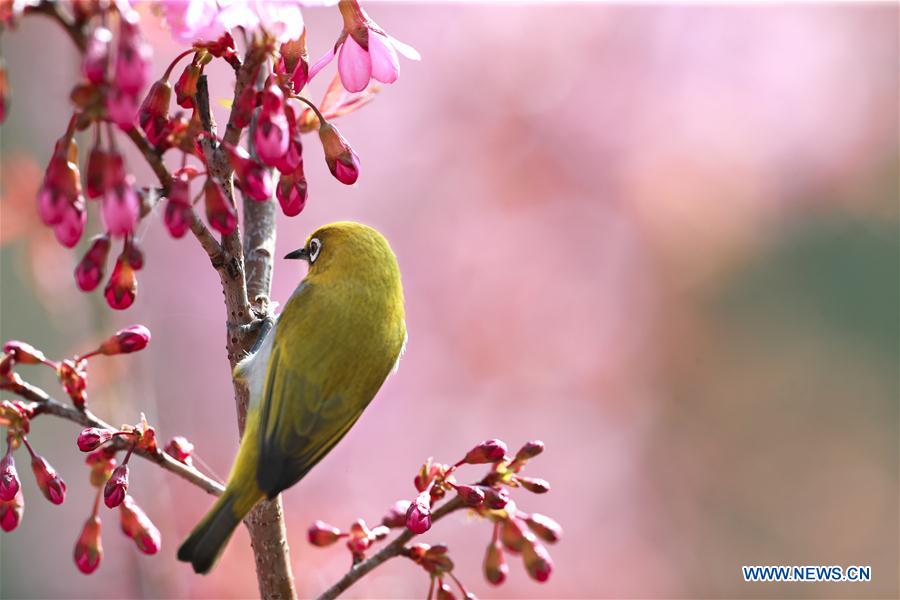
[(191, 20), (365, 51)]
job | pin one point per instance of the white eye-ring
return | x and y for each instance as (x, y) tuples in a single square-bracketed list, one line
[(315, 246)]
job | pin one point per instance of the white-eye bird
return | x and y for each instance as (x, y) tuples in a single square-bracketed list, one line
[(312, 375)]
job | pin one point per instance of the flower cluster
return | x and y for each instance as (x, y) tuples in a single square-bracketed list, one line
[(111, 99), (514, 531)]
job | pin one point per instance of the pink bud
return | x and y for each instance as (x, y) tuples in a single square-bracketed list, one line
[(122, 286), (117, 487), (133, 57), (529, 450), (513, 534), (68, 231), (121, 208), (122, 108), (219, 211), (396, 516), (73, 378), (272, 135), (323, 534), (444, 592), (9, 478), (418, 517), (137, 526), (471, 495), (153, 115), (133, 253), (489, 451), (243, 107), (294, 155), (291, 192), (186, 86), (61, 186), (537, 561), (495, 567), (11, 512), (534, 485), (51, 484), (23, 353), (544, 527), (255, 180), (179, 213), (341, 159), (92, 438), (361, 537), (180, 449), (88, 549), (96, 55), (96, 172), (125, 341)]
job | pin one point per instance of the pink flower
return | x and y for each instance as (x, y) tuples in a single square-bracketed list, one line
[(366, 51), (121, 208), (418, 517), (88, 549), (191, 20)]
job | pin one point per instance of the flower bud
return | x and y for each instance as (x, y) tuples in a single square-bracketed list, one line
[(323, 534), (73, 378), (254, 179), (444, 592), (122, 108), (180, 449), (418, 516), (22, 353), (470, 494), (51, 484), (96, 172), (529, 450), (341, 159), (96, 55), (179, 213), (121, 288), (513, 534), (289, 162), (291, 192), (153, 115), (495, 567), (89, 270), (102, 463), (117, 487), (186, 86), (61, 187), (271, 136), (9, 478), (360, 538), (88, 549), (242, 111), (125, 341), (68, 231), (534, 485), (537, 560), (11, 512), (495, 498), (92, 438), (219, 211), (121, 208), (139, 527), (489, 451), (544, 527), (396, 516), (296, 61), (133, 57)]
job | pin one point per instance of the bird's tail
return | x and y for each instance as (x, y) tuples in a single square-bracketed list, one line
[(209, 537)]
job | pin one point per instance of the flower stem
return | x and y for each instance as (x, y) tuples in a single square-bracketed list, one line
[(322, 120), (175, 62)]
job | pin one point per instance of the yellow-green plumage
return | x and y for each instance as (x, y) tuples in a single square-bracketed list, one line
[(339, 336)]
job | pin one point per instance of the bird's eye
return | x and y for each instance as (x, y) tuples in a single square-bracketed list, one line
[(314, 247)]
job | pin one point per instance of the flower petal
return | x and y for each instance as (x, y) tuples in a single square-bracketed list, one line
[(405, 49), (321, 64), (385, 64), (354, 65)]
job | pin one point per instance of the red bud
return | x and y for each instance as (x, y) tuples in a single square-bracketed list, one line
[(180, 449), (51, 484), (186, 86), (89, 271), (88, 549), (537, 561), (219, 211), (137, 526), (489, 451), (471, 495), (513, 534), (22, 353), (11, 512), (341, 159), (529, 450), (92, 438), (418, 516), (9, 478), (74, 380), (122, 286), (117, 487), (495, 567), (323, 534), (125, 341), (544, 527), (534, 485)]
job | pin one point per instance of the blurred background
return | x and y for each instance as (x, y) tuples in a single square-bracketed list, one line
[(664, 240)]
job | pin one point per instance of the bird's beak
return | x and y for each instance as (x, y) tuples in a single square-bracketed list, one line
[(301, 253)]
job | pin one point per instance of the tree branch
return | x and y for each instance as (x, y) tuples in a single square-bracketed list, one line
[(396, 548), (46, 404)]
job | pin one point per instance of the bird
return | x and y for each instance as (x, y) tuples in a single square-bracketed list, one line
[(312, 374)]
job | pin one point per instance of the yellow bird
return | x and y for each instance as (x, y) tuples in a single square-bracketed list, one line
[(312, 375)]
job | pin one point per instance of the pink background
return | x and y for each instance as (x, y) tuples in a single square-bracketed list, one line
[(661, 239)]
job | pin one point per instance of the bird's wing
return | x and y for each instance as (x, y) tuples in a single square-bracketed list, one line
[(316, 388)]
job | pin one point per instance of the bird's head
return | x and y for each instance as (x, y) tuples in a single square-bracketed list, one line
[(345, 247)]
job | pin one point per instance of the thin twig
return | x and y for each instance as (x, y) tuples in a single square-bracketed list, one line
[(392, 550), (46, 404)]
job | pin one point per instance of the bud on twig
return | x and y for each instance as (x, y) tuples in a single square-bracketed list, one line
[(544, 527), (471, 495), (489, 451), (88, 549), (89, 271), (180, 449), (396, 516), (418, 517), (495, 567), (117, 487), (139, 527), (51, 484), (529, 450), (9, 478), (341, 159), (125, 341), (534, 485), (537, 560), (323, 534), (11, 512), (92, 438)]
